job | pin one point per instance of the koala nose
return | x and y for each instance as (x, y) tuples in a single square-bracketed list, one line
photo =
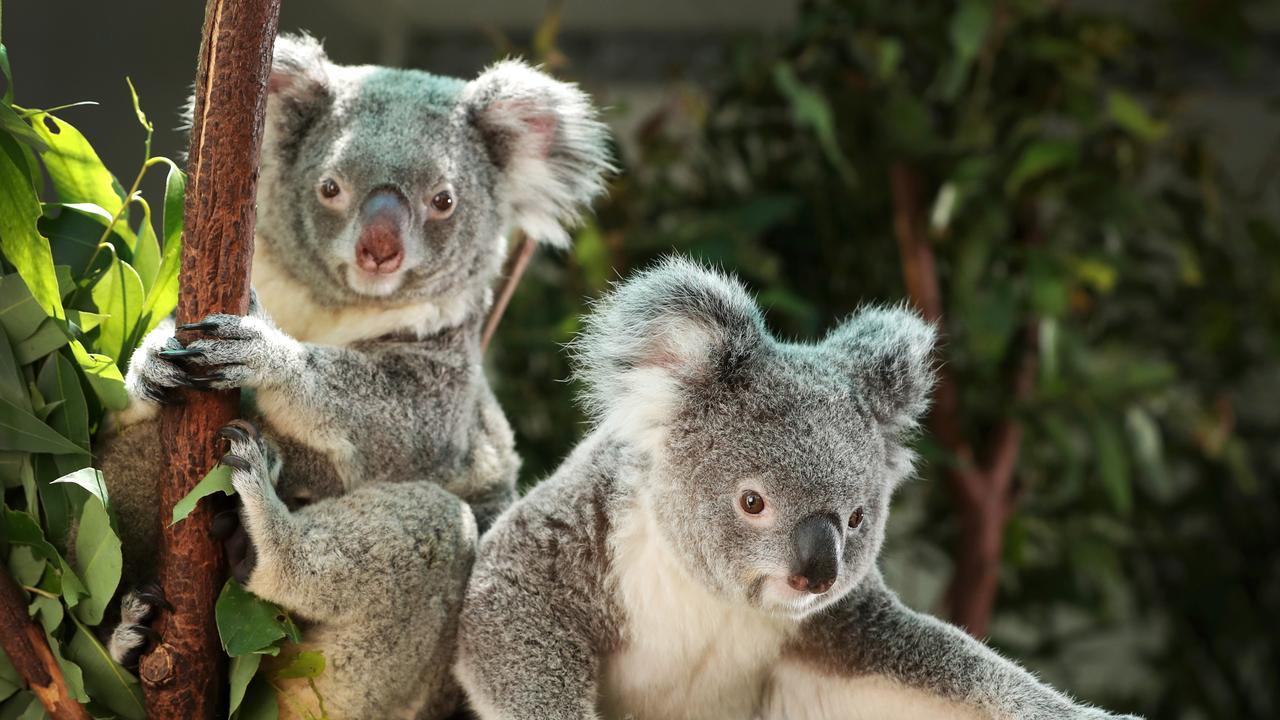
[(383, 216), (817, 543)]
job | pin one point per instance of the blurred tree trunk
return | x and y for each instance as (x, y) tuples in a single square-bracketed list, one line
[(981, 488), (24, 643), (184, 675)]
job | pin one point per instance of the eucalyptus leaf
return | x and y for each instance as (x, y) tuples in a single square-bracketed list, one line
[(48, 337), (119, 295), (305, 664), (20, 430), (103, 376), (246, 623), (92, 481), (216, 480), (111, 685), (243, 668), (77, 173), (259, 702), (98, 561), (21, 242)]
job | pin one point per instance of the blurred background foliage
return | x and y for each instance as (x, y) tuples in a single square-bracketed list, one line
[(1064, 196)]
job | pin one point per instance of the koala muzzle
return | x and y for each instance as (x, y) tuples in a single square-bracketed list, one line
[(383, 218), (817, 541)]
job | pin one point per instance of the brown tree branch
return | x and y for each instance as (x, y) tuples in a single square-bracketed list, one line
[(515, 270), (184, 675), (982, 493), (24, 643)]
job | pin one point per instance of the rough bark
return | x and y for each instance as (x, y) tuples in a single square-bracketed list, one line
[(982, 489), (184, 675), (24, 643)]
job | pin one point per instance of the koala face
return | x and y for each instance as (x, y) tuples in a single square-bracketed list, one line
[(386, 186), (774, 462)]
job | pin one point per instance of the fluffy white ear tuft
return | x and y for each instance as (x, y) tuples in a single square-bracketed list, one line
[(544, 137), (660, 334), (888, 355), (298, 68)]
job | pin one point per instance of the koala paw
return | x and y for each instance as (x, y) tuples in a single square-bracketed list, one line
[(134, 634), (254, 465), (236, 351)]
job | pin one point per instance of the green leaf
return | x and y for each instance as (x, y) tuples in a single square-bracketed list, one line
[(71, 672), (57, 379), (19, 528), (119, 295), (22, 243), (48, 610), (260, 702), (12, 123), (216, 480), (25, 567), (248, 624), (48, 337), (810, 108), (77, 173), (111, 685), (146, 252), (10, 681), (23, 706), (1040, 158), (20, 430), (1129, 114), (97, 561), (20, 314), (1113, 465), (8, 73), (969, 28), (91, 480), (243, 668), (306, 664), (12, 382), (162, 297), (137, 108), (73, 237), (103, 376)]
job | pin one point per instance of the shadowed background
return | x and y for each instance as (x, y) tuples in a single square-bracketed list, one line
[(1084, 192)]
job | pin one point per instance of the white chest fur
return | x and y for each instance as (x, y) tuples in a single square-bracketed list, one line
[(689, 654)]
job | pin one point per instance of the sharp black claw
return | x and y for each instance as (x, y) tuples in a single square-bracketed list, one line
[(237, 462), (245, 427), (180, 354), (202, 326), (153, 594), (202, 382), (149, 632), (233, 432)]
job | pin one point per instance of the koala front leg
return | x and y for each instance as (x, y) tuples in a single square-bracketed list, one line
[(872, 652)]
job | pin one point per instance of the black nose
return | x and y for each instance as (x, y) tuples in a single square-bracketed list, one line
[(817, 541)]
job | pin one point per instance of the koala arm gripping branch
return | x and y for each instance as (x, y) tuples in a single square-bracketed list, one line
[(874, 648)]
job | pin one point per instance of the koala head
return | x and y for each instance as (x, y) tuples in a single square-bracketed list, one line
[(382, 186), (773, 462)]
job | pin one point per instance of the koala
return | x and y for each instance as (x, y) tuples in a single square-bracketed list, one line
[(384, 203), (709, 550)]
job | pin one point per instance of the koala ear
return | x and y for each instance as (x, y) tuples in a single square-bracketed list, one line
[(549, 147), (660, 334), (888, 354), (298, 90)]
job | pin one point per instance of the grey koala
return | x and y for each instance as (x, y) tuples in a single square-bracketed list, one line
[(709, 550), (383, 206)]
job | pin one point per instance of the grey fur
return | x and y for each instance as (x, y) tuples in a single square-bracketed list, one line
[(363, 379), (631, 584)]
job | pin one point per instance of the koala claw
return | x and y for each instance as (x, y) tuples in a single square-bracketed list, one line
[(179, 353), (153, 595), (240, 431)]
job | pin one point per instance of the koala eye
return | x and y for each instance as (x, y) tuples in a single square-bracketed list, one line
[(752, 502), (442, 204), (855, 519), (329, 188)]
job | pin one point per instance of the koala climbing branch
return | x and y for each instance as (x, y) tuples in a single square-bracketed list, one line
[(24, 643), (982, 488), (182, 676)]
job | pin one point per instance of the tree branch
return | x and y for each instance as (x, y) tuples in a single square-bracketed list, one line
[(515, 270), (183, 676), (24, 643), (983, 494)]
